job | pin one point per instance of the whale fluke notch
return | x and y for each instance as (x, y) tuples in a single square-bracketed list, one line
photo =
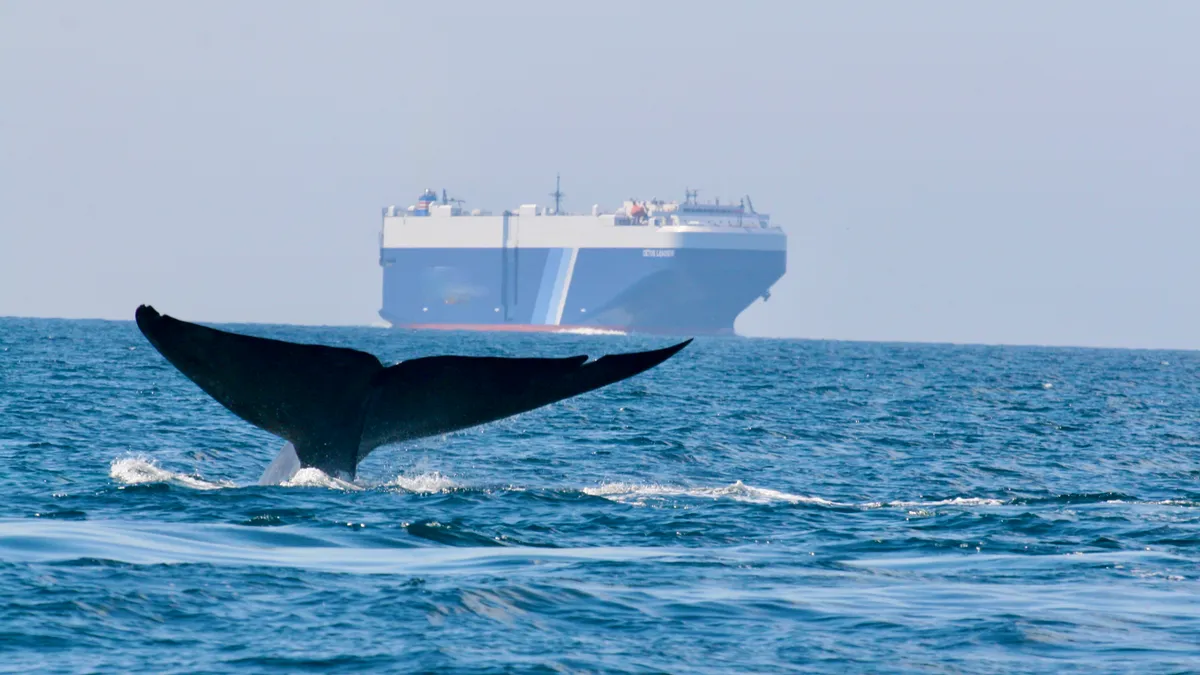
[(335, 405)]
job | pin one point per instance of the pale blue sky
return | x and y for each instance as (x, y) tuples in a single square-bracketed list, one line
[(1025, 172)]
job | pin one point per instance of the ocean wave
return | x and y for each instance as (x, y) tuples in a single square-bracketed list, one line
[(738, 491), (88, 543), (1071, 498), (954, 501), (1191, 503), (140, 470)]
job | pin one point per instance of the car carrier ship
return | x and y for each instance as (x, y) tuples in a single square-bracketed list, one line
[(650, 266)]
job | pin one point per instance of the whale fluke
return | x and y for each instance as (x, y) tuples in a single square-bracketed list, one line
[(335, 405)]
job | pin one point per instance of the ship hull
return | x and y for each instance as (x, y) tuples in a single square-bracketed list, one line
[(663, 291)]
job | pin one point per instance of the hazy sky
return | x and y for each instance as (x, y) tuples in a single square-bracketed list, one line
[(1024, 172)]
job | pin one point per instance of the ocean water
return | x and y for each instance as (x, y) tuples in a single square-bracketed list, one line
[(749, 506)]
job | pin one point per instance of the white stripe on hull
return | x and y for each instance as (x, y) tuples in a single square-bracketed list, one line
[(563, 285), (570, 232)]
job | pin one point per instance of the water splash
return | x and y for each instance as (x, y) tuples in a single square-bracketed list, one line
[(139, 470), (313, 477), (424, 483)]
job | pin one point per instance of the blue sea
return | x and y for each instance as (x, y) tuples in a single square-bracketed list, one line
[(750, 506)]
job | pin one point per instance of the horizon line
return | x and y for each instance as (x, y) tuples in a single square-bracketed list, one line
[(876, 341)]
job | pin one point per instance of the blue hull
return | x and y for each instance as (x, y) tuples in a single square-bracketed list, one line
[(665, 291)]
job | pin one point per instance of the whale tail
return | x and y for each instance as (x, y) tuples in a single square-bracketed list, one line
[(439, 394), (335, 405)]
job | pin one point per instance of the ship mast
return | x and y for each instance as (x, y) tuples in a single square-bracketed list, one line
[(557, 194)]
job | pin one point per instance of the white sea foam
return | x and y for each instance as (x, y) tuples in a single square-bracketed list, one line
[(425, 483), (1164, 502), (638, 493), (738, 491), (139, 470), (957, 501)]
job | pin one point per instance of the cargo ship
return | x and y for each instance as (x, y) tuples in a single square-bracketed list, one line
[(650, 266)]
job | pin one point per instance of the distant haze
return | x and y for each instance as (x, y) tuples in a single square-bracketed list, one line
[(1020, 172)]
